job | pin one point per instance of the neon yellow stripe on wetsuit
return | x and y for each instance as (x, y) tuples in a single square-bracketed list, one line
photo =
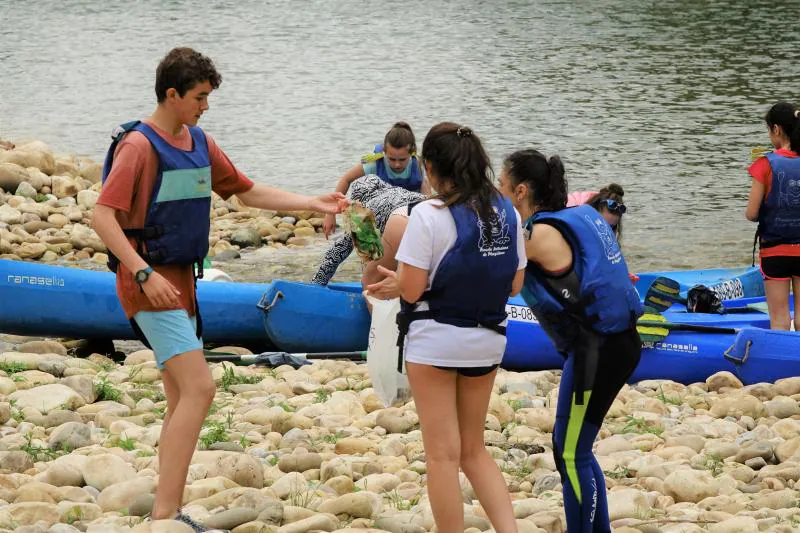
[(577, 414)]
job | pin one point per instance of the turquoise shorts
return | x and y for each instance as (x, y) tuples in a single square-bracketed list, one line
[(169, 333)]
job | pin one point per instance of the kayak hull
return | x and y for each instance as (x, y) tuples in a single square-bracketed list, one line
[(685, 357), (38, 299)]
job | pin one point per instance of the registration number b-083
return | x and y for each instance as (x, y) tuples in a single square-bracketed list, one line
[(520, 313)]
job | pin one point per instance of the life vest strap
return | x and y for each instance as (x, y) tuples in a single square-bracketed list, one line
[(147, 232)]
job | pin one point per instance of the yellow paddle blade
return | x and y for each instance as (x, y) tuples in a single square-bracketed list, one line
[(671, 290), (661, 302), (650, 333)]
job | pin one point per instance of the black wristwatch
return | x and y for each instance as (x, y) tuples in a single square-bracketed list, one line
[(143, 275)]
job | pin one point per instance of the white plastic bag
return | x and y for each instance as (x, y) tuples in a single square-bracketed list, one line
[(389, 384)]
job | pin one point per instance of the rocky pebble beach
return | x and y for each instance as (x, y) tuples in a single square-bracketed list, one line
[(47, 199), (313, 449)]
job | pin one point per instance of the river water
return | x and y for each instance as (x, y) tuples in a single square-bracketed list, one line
[(666, 98)]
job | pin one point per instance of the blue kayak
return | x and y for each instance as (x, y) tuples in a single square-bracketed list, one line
[(685, 357), (728, 283), (44, 300)]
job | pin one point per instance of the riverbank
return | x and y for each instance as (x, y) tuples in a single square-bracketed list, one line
[(47, 200)]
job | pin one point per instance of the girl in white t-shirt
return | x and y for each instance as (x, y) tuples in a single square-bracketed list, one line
[(460, 258)]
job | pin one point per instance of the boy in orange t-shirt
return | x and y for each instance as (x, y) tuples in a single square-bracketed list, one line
[(164, 170)]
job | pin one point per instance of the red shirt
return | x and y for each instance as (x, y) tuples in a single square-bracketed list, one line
[(761, 171), (128, 189)]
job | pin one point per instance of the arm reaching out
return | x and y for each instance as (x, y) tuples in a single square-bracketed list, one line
[(264, 197)]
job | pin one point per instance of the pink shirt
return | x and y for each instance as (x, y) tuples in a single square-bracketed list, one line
[(579, 197)]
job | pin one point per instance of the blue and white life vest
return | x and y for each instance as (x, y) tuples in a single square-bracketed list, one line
[(178, 216), (779, 216), (412, 183), (473, 281), (596, 294)]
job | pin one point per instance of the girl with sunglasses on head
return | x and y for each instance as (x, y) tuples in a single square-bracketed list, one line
[(608, 201), (576, 284), (774, 203)]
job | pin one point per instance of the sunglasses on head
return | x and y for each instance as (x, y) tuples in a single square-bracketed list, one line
[(618, 208)]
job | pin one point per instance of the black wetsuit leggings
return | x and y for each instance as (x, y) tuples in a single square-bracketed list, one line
[(577, 425)]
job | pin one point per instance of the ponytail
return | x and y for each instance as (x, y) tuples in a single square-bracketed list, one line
[(457, 158), (400, 136), (547, 185)]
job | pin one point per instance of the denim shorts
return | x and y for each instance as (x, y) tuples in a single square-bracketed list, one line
[(169, 333)]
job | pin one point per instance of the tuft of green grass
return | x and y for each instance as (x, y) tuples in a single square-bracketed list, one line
[(75, 514), (333, 438), (304, 497), (286, 407), (322, 396), (714, 463), (12, 368), (516, 405), (135, 372), (668, 400), (16, 412), (273, 460), (147, 391), (216, 433), (105, 390), (230, 378), (397, 501), (640, 425), (516, 470), (38, 453), (127, 443), (620, 472)]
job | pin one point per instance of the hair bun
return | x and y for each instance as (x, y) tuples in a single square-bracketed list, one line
[(401, 124), (463, 131)]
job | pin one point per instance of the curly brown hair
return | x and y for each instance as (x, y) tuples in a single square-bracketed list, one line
[(183, 68), (613, 191)]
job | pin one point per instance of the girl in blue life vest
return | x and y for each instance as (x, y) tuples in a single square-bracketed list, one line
[(459, 260), (395, 161), (576, 284), (774, 203)]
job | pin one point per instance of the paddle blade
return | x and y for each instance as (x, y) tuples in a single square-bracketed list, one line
[(662, 293), (652, 332)]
